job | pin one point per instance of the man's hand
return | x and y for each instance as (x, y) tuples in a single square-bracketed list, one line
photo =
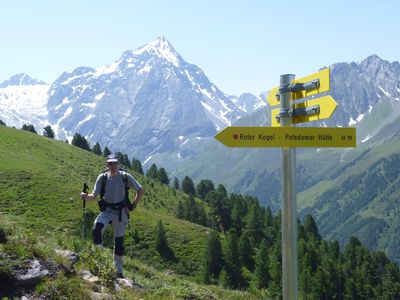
[(131, 206), (139, 195), (87, 196), (83, 196)]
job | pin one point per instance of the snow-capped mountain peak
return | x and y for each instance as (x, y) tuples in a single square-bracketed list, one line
[(21, 79), (23, 101), (161, 48), (152, 91)]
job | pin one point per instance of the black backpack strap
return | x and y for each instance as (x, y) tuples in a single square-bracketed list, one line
[(103, 185), (125, 179), (127, 202), (102, 203)]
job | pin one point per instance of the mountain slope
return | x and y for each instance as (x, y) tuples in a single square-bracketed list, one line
[(359, 197), (157, 96), (39, 172), (40, 182)]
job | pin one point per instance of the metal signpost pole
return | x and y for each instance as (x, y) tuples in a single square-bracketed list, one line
[(289, 205)]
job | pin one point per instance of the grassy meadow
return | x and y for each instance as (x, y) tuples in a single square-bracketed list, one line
[(40, 210)]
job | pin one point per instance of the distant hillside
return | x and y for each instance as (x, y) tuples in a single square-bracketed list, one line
[(361, 200)]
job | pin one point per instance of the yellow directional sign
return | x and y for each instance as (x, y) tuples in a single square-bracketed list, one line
[(272, 97), (327, 106), (324, 86), (305, 137)]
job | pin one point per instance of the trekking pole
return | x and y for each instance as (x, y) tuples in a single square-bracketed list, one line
[(84, 190)]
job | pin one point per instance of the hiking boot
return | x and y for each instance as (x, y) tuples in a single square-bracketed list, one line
[(120, 275)]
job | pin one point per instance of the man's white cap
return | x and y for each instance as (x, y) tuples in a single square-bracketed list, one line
[(112, 158)]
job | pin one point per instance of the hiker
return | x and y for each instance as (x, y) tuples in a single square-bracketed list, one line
[(114, 204)]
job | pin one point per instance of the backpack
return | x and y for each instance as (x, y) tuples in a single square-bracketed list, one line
[(125, 203)]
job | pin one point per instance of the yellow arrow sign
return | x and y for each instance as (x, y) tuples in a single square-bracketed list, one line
[(324, 86), (305, 137), (327, 105), (272, 97)]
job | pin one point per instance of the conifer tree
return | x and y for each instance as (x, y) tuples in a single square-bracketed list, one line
[(212, 258), (313, 253), (268, 227), (245, 251), (306, 283), (80, 141), (334, 250), (48, 132), (180, 212), (351, 256), (237, 218), (219, 213), (161, 242), (238, 212), (301, 231), (29, 128), (162, 176), (350, 289), (188, 186), (126, 160), (123, 159), (224, 279), (254, 225), (330, 278), (106, 152), (152, 171), (261, 270), (268, 218), (97, 149), (137, 166), (222, 190), (232, 261), (275, 269), (201, 215), (2, 123), (390, 287), (190, 209), (204, 187), (311, 227), (176, 184)]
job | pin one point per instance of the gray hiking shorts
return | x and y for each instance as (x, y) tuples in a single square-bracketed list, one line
[(111, 216)]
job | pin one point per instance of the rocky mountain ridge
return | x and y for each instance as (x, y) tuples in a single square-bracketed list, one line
[(151, 101), (144, 103)]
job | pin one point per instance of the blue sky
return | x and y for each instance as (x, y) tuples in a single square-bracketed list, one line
[(242, 46)]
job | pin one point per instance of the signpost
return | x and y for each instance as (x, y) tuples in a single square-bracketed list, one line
[(299, 137), (295, 107), (322, 76), (310, 110)]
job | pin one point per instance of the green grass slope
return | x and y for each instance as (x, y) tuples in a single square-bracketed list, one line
[(40, 182)]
